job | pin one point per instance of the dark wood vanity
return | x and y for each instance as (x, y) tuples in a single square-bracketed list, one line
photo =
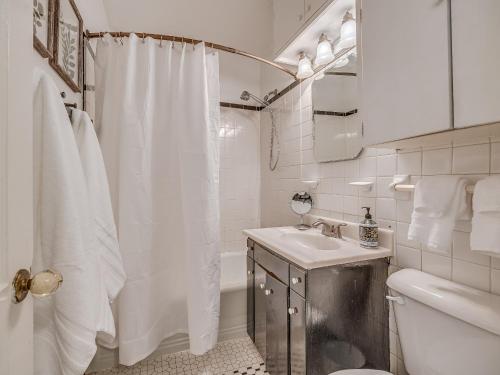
[(317, 321)]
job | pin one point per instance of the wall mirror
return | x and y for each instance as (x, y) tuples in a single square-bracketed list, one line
[(337, 125)]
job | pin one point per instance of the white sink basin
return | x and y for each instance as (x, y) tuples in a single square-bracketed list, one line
[(313, 240), (310, 249)]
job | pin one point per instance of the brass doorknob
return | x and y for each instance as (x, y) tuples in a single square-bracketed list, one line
[(43, 284)]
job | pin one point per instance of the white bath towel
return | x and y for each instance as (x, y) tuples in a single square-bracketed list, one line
[(439, 202), (485, 236), (104, 225), (65, 323)]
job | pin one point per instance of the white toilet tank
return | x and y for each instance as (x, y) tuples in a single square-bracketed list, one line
[(445, 328)]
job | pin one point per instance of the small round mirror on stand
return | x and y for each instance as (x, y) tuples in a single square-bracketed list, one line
[(301, 204)]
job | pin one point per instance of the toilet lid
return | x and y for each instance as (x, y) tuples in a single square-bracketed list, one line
[(360, 372)]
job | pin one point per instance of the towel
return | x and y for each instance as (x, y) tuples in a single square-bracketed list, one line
[(485, 236), (65, 323), (107, 248), (438, 203)]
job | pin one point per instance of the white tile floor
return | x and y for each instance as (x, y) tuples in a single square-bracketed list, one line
[(235, 357)]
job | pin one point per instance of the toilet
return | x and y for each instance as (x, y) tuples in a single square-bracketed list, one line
[(444, 327)]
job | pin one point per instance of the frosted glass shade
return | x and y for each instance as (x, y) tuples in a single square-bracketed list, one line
[(324, 53), (305, 69), (347, 32)]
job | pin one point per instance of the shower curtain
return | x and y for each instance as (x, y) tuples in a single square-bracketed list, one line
[(157, 116)]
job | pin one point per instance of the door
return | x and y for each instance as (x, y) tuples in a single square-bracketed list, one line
[(277, 326), (16, 182), (288, 18), (250, 298), (260, 310), (475, 28), (406, 86), (297, 312)]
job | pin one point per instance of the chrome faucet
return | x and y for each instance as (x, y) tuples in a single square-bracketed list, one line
[(329, 230)]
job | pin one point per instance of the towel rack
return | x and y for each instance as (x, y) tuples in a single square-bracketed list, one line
[(410, 188)]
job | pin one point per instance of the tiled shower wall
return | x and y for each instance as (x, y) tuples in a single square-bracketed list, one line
[(334, 197), (239, 138)]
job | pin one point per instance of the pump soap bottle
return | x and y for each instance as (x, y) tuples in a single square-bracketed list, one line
[(368, 231)]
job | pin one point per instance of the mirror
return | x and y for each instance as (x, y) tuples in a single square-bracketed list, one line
[(337, 126), (301, 204)]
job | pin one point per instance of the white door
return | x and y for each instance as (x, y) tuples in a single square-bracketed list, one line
[(406, 86), (16, 182), (475, 28)]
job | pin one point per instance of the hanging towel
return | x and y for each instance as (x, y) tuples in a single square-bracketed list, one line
[(65, 323), (107, 248), (485, 236), (438, 203)]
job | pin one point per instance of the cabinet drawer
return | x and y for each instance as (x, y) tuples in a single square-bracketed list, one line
[(273, 264), (298, 280)]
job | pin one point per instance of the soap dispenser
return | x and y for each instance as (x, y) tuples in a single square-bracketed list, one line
[(368, 231)]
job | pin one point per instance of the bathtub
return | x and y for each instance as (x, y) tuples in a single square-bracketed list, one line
[(233, 299)]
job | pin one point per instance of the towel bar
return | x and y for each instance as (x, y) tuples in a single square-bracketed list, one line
[(410, 188)]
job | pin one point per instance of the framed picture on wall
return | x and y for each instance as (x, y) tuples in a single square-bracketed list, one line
[(67, 57), (43, 13)]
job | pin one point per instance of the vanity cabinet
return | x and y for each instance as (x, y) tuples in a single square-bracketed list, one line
[(317, 321), (475, 29), (406, 86)]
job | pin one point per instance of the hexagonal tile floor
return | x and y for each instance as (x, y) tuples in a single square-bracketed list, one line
[(232, 357)]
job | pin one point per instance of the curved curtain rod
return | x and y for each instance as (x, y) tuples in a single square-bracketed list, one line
[(173, 38)]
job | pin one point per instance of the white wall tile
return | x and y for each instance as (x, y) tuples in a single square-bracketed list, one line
[(495, 157), (368, 167), (436, 162), (386, 165), (462, 251), (386, 208), (410, 163), (436, 265), (471, 274), (471, 159), (408, 257)]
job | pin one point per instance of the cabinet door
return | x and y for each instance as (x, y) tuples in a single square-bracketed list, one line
[(312, 6), (276, 326), (297, 314), (288, 18), (475, 29), (406, 86), (260, 310), (250, 298)]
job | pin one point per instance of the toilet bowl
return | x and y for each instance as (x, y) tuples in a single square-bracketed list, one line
[(444, 327)]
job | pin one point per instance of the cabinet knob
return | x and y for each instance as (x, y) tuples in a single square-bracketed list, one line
[(268, 292), (262, 286), (296, 280), (249, 272), (293, 310)]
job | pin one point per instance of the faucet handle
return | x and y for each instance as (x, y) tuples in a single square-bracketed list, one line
[(339, 230)]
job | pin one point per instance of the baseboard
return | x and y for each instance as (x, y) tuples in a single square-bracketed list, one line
[(108, 358)]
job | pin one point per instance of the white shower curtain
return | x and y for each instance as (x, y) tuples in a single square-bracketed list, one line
[(157, 114)]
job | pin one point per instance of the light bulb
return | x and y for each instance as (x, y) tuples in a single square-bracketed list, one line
[(324, 53), (305, 69), (347, 32)]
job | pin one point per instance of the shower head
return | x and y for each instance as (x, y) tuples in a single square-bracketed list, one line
[(245, 95)]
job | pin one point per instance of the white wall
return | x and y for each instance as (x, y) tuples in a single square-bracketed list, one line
[(242, 24), (94, 17), (335, 198)]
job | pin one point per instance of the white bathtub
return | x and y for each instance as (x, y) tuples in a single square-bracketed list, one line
[(233, 299)]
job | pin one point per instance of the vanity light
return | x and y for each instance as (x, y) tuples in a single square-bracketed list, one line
[(305, 69), (347, 32), (324, 53), (319, 76)]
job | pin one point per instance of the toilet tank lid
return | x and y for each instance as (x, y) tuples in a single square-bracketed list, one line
[(473, 306)]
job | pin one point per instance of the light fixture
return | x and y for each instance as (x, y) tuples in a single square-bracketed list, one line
[(347, 32), (320, 75), (324, 53), (341, 62), (305, 69)]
